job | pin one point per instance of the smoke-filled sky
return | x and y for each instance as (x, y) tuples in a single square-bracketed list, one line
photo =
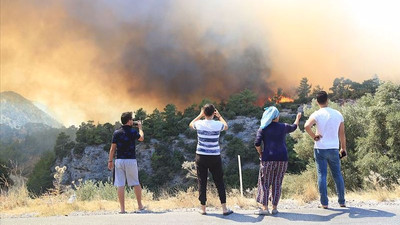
[(92, 60)]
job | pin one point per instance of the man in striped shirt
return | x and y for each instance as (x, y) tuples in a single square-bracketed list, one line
[(208, 156)]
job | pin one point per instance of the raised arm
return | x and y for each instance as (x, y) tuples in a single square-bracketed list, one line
[(191, 124), (140, 131), (293, 127), (297, 120), (218, 115)]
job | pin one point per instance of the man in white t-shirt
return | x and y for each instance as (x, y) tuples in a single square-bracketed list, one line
[(208, 156), (329, 133)]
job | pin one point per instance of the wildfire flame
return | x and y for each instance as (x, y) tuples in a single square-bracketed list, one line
[(285, 99), (282, 99)]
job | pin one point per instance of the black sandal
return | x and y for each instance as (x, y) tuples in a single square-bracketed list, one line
[(229, 212)]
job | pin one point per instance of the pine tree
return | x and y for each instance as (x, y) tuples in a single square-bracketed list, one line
[(303, 90)]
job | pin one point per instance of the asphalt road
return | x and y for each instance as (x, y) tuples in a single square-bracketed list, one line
[(387, 215)]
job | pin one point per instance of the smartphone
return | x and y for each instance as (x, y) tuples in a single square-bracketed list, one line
[(342, 154)]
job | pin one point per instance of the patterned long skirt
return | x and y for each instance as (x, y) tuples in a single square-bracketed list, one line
[(270, 177)]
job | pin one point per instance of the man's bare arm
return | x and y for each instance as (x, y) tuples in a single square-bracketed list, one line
[(342, 136), (140, 131), (111, 156)]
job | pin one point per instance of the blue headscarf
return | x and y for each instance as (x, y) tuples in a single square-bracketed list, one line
[(269, 114)]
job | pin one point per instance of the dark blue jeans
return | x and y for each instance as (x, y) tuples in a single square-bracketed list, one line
[(323, 158)]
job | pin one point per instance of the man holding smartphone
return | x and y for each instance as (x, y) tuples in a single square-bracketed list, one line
[(126, 169), (329, 133)]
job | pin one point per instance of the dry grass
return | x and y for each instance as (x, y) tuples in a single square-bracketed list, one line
[(302, 188), (380, 194), (16, 202)]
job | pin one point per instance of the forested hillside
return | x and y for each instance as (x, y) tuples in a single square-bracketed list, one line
[(372, 116)]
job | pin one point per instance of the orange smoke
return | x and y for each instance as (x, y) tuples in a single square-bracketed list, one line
[(92, 62)]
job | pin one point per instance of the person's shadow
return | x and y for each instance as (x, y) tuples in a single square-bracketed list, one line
[(238, 217), (362, 213), (352, 211)]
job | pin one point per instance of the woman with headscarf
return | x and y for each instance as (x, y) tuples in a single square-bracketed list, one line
[(273, 156)]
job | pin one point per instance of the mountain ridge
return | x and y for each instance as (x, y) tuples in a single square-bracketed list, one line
[(17, 111)]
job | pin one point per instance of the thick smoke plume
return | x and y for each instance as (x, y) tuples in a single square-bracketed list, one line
[(93, 60)]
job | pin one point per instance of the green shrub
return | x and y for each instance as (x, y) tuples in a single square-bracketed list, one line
[(190, 133), (231, 177), (237, 147), (63, 145), (107, 147), (79, 148), (166, 163), (237, 127), (228, 137), (96, 190), (41, 179), (242, 104)]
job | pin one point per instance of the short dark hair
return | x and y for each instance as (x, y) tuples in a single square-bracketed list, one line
[(125, 117), (322, 97), (209, 109)]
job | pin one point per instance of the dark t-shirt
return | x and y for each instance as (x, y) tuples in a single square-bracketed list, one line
[(125, 138), (274, 138)]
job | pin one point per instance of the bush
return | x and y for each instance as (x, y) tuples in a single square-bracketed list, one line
[(79, 149), (190, 150), (41, 178), (237, 147), (5, 180), (96, 190), (249, 177), (63, 145), (242, 104), (237, 127), (165, 163), (228, 137), (87, 191), (91, 134), (191, 134), (107, 147), (295, 164), (303, 186)]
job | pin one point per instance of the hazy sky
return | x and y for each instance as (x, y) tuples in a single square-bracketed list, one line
[(92, 60)]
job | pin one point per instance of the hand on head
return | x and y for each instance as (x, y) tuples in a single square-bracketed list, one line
[(217, 113), (202, 113)]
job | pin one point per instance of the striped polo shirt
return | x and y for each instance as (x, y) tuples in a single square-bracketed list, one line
[(208, 132)]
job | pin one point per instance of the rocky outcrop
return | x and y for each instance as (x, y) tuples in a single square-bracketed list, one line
[(92, 164)]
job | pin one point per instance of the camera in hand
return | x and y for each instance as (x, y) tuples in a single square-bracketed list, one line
[(135, 123), (342, 154)]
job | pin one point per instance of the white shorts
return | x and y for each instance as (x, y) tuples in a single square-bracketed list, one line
[(126, 170)]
